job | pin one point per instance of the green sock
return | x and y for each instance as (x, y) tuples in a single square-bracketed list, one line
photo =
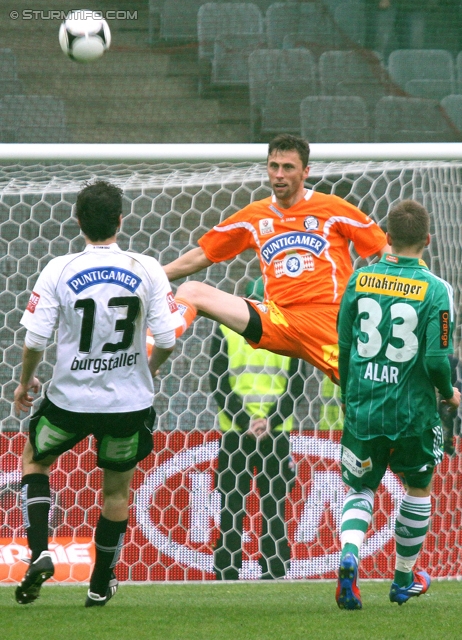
[(349, 547), (403, 578), (411, 527)]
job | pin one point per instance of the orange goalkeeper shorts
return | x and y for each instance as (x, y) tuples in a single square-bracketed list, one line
[(309, 333)]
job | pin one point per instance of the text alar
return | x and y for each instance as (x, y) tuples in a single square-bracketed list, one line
[(381, 373)]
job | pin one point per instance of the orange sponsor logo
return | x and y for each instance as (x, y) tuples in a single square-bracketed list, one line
[(330, 353), (276, 315), (444, 326), (73, 559)]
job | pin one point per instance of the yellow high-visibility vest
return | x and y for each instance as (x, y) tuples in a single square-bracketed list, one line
[(258, 376)]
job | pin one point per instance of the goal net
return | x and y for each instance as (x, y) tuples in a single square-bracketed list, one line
[(175, 515)]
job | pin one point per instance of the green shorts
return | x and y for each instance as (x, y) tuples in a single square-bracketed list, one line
[(122, 439), (413, 459)]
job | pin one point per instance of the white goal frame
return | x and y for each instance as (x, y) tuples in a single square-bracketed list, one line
[(192, 152)]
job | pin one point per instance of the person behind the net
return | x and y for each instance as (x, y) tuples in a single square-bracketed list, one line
[(255, 391), (395, 335), (302, 239), (101, 300)]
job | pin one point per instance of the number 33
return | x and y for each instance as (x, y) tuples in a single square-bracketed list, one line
[(404, 330)]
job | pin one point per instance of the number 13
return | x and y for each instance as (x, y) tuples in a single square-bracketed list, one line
[(126, 325)]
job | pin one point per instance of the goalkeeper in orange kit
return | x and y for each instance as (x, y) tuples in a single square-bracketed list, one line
[(302, 239)]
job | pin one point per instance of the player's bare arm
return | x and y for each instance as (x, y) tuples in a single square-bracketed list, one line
[(28, 382), (158, 357), (190, 262)]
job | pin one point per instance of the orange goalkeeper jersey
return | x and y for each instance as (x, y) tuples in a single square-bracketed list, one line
[(303, 251)]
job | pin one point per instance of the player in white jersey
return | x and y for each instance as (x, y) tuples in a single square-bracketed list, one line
[(102, 301)]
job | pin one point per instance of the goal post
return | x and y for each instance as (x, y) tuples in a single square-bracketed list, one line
[(233, 152), (172, 195)]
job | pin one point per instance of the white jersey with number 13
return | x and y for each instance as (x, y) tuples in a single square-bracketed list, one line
[(102, 300)]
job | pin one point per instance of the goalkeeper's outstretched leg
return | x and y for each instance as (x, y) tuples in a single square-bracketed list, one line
[(197, 298), (305, 332)]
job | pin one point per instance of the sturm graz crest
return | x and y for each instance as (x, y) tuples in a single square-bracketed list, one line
[(293, 265), (311, 223)]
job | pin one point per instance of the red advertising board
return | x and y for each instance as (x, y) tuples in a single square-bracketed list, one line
[(174, 517)]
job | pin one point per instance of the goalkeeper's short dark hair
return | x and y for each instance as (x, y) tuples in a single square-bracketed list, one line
[(408, 224), (288, 142), (98, 209)]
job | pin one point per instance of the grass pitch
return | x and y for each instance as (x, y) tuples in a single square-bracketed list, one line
[(230, 611)]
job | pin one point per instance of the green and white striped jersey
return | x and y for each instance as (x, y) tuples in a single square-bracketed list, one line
[(393, 315)]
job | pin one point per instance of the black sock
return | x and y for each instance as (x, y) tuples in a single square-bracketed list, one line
[(36, 501), (109, 538)]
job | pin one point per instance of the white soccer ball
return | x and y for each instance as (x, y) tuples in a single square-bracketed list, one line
[(84, 36)]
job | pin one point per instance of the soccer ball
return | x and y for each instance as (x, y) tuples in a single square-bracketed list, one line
[(84, 36)]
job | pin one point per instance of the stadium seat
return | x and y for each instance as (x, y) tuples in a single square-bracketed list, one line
[(316, 40), (334, 119), (32, 119), (281, 107), (433, 89), (350, 17), (222, 28), (306, 22), (423, 73), (400, 119), (278, 80), (452, 104), (230, 63), (353, 73)]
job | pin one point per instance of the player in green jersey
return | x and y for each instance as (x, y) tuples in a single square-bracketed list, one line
[(395, 334)]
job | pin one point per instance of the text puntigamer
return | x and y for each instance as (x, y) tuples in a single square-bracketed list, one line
[(293, 240), (113, 275)]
